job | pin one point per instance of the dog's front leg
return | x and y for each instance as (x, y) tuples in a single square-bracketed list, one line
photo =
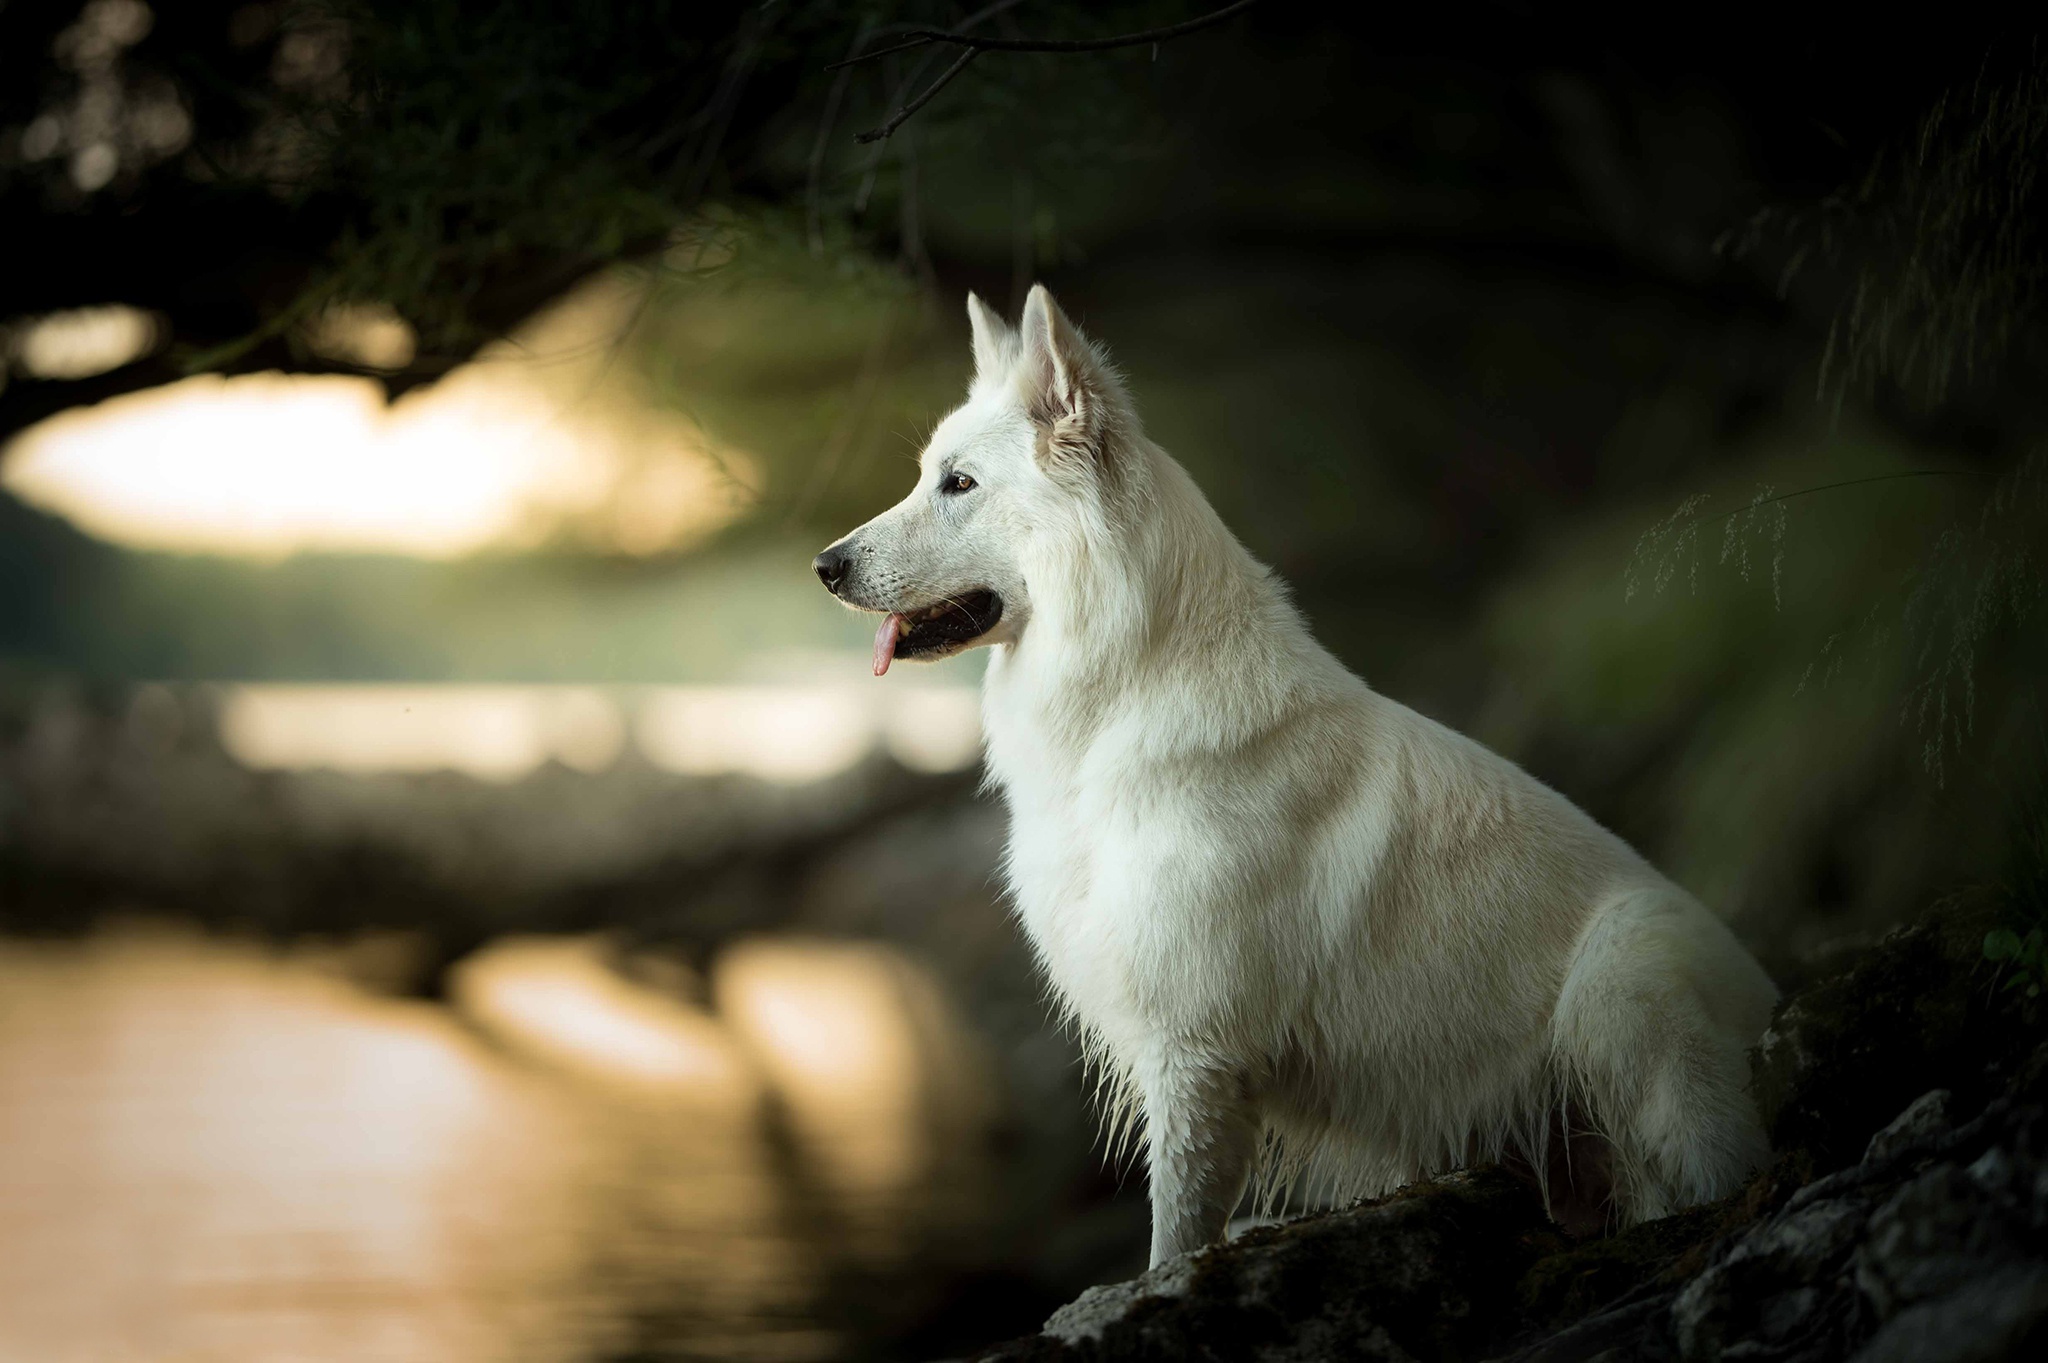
[(1202, 1132)]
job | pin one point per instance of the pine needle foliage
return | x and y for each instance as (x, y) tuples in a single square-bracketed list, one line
[(1941, 253), (1943, 245)]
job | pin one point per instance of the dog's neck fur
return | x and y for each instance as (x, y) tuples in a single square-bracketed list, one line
[(1148, 594)]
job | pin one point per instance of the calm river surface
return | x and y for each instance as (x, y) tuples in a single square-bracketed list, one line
[(211, 1151)]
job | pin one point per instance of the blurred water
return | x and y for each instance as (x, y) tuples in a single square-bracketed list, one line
[(211, 1151)]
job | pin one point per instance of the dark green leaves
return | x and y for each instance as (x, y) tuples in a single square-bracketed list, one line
[(2025, 954)]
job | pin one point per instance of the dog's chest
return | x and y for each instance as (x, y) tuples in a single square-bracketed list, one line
[(1089, 938), (1099, 866), (1107, 921)]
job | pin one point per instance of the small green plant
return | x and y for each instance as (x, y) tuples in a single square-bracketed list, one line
[(2022, 944), (2025, 956)]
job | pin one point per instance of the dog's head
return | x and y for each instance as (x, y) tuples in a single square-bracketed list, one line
[(1024, 459)]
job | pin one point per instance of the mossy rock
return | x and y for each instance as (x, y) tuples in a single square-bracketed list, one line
[(1563, 1287), (1469, 1266), (1426, 1273), (1918, 1011)]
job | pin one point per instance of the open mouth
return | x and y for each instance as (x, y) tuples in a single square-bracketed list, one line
[(941, 628)]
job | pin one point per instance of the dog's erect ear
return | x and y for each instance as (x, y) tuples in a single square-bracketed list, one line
[(1066, 387), (995, 345)]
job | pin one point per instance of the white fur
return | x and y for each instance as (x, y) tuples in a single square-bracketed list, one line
[(1295, 920)]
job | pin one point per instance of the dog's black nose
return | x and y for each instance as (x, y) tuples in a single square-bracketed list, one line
[(831, 568)]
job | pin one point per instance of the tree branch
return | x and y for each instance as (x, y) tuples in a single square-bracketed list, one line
[(504, 297), (896, 120), (973, 46), (29, 401), (920, 37)]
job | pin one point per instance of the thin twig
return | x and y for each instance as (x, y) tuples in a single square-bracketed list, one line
[(896, 120), (923, 36), (1830, 487), (900, 91), (898, 29), (917, 73), (972, 46)]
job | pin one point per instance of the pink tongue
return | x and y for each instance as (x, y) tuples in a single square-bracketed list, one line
[(885, 643)]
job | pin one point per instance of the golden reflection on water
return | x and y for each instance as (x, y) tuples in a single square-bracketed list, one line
[(210, 1152), (557, 1000), (877, 1081)]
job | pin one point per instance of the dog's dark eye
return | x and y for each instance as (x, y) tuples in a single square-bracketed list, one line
[(957, 482)]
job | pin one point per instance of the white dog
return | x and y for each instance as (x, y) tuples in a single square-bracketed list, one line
[(1303, 929)]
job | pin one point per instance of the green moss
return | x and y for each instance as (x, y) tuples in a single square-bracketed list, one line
[(1917, 1012)]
